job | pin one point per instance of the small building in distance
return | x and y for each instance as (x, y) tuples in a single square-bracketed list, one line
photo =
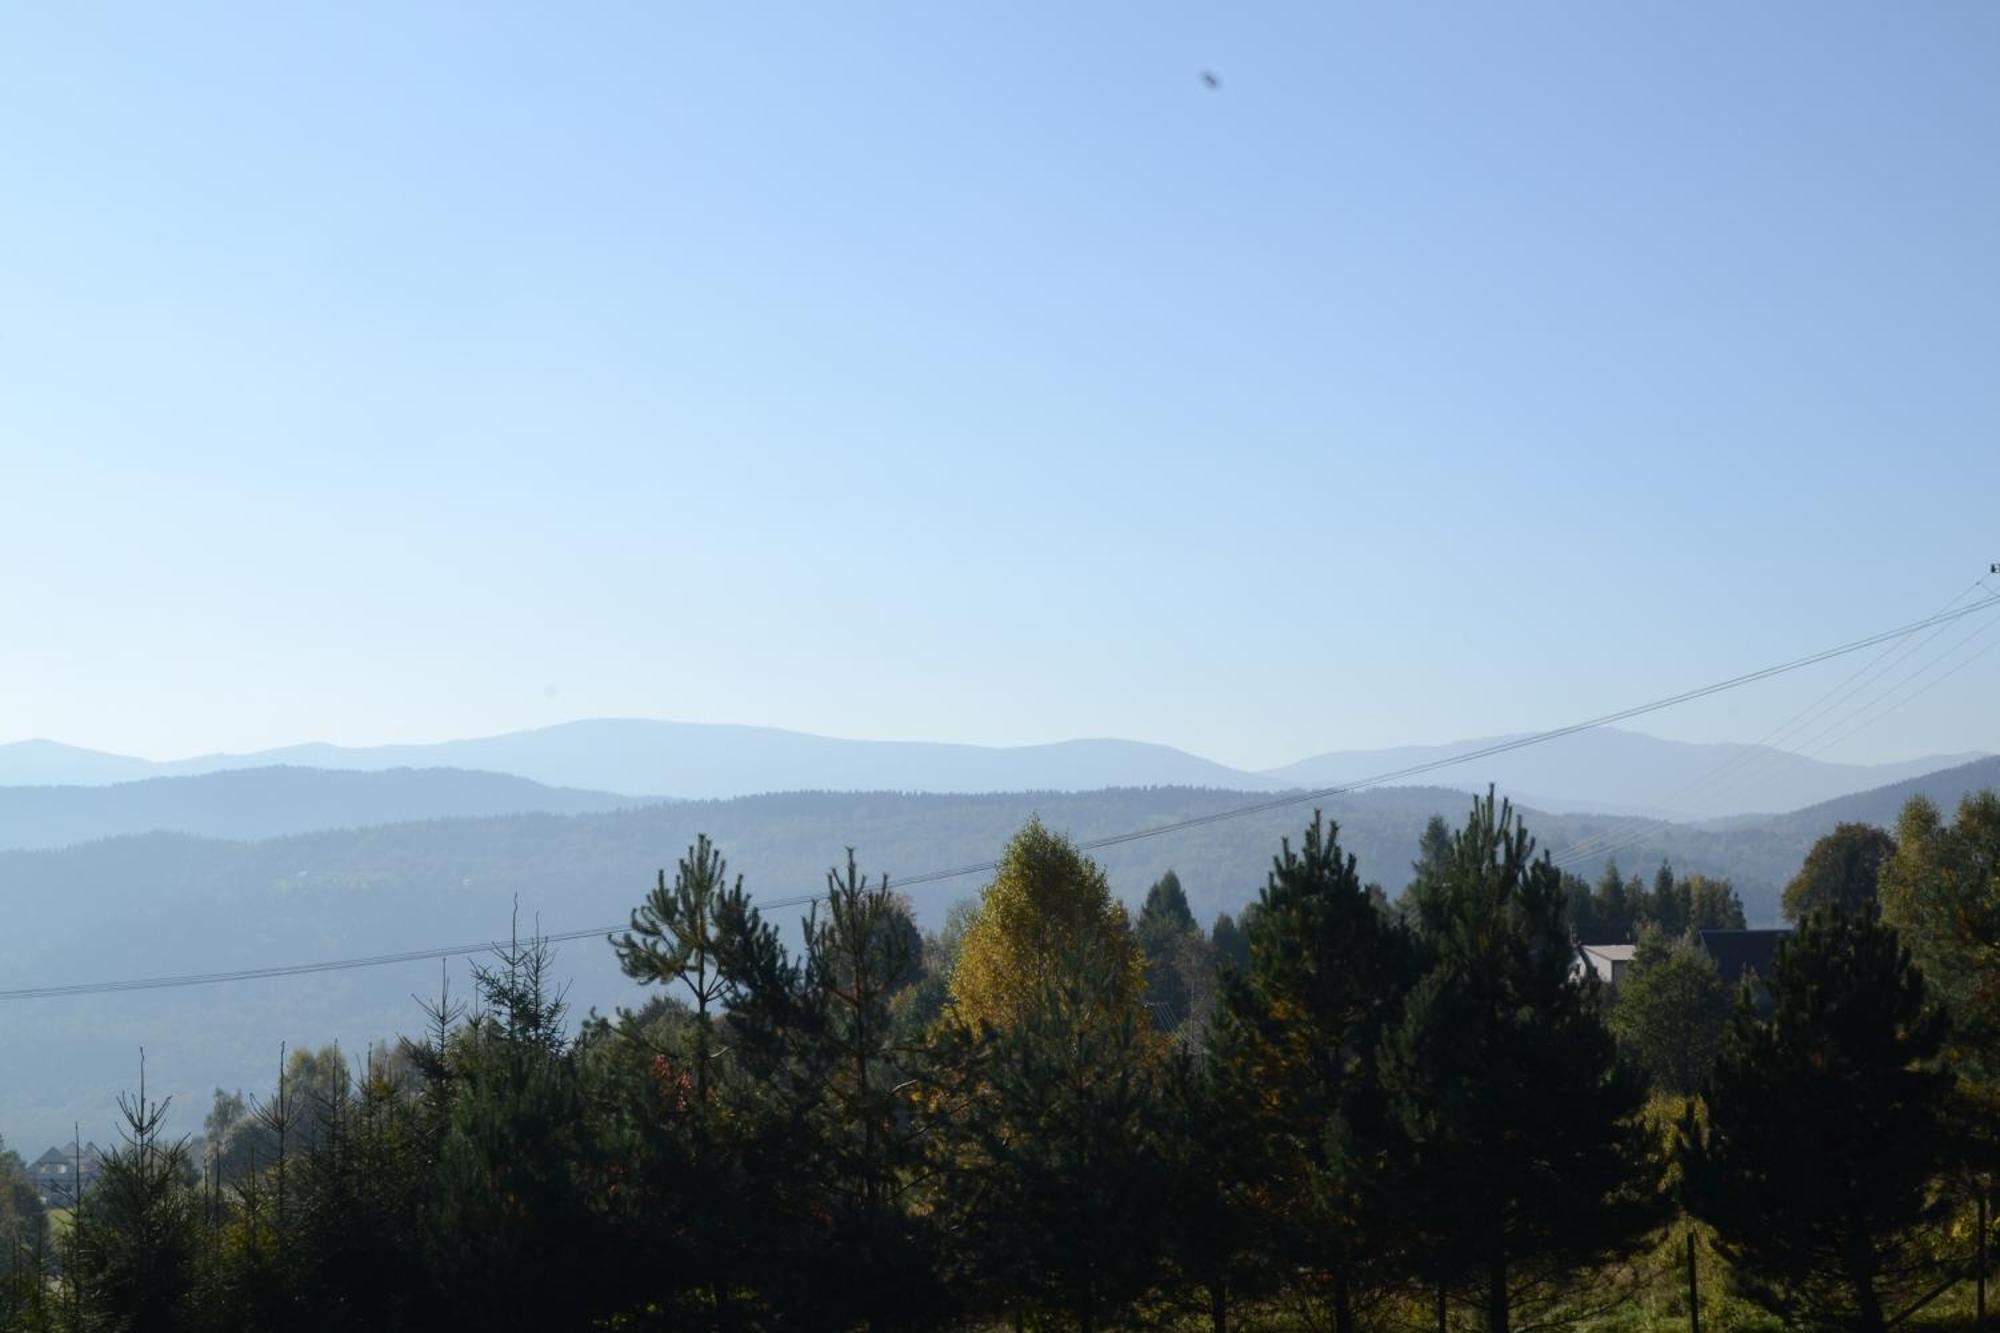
[(1737, 953), (1609, 961), (61, 1176)]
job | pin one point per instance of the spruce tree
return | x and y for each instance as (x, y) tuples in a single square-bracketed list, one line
[(1163, 931), (518, 1241), (134, 1250), (1231, 943)]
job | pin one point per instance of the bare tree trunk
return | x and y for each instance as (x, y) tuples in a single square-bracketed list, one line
[(1343, 1303), (1981, 1325), (1694, 1289), (1868, 1305), (1218, 1306), (1496, 1297)]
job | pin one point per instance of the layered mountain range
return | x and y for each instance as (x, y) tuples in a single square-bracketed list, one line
[(135, 870), (1604, 770)]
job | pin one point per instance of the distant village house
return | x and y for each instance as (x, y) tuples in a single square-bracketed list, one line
[(61, 1176)]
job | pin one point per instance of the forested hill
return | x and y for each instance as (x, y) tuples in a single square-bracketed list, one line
[(1881, 805), (165, 903), (272, 802), (590, 864)]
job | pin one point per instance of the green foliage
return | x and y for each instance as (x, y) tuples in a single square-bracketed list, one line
[(1843, 870), (825, 1092), (923, 1002), (1231, 942), (1518, 1153), (1941, 890), (134, 1242), (1619, 910), (1826, 1129), (1180, 961), (348, 889), (1327, 969), (1061, 1177), (1670, 1012), (793, 1132), (677, 936), (1215, 1229), (1433, 849)]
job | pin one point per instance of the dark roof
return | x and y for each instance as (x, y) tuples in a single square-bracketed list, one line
[(1738, 951)]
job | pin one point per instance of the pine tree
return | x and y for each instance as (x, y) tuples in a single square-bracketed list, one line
[(834, 1112), (1826, 1127), (1061, 1184), (1327, 969), (1215, 1229), (676, 936), (700, 1169), (1518, 1154)]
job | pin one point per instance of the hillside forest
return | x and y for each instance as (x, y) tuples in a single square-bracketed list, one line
[(1341, 1108)]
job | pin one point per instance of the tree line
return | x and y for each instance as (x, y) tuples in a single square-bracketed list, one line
[(1336, 1111)]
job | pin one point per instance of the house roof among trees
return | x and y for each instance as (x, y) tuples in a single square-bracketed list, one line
[(1738, 951)]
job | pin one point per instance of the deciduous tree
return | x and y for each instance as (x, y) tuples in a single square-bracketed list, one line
[(1670, 1011), (1046, 906), (1842, 870)]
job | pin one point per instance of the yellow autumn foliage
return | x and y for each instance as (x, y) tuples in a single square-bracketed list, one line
[(1048, 911)]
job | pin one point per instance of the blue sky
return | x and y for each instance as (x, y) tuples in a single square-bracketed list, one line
[(974, 372)]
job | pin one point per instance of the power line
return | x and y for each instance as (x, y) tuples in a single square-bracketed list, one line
[(1757, 757), (1094, 844), (1634, 832)]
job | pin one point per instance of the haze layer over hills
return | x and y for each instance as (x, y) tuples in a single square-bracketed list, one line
[(165, 903), (1604, 770), (123, 867)]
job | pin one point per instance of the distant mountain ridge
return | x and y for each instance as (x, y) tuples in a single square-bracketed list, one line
[(1629, 772), (1604, 770), (272, 802)]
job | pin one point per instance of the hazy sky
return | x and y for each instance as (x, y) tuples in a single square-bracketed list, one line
[(975, 372)]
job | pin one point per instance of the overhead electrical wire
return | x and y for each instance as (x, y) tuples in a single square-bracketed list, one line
[(1921, 690), (1834, 709), (1094, 844)]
